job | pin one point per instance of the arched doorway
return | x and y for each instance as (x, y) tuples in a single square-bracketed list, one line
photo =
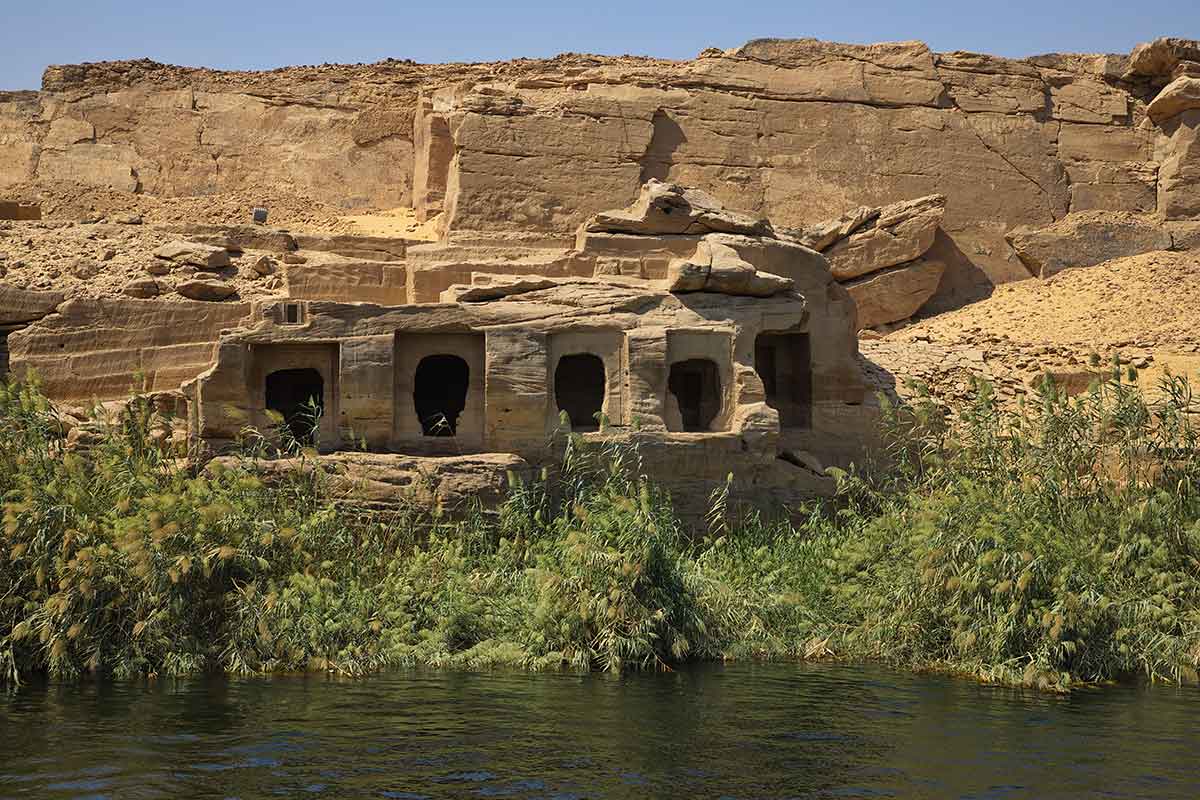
[(696, 385), (440, 393), (298, 395), (579, 383)]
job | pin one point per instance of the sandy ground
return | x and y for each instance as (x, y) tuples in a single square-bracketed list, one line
[(395, 222), (1145, 310)]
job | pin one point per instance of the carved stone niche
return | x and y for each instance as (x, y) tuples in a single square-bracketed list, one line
[(699, 391), (586, 378), (300, 383), (439, 396)]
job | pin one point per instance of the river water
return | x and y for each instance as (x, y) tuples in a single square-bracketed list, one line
[(741, 731)]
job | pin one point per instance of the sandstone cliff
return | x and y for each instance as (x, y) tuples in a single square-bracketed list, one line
[(794, 130)]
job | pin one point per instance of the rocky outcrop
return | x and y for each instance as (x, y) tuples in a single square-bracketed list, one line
[(543, 145), (876, 253), (896, 293), (1085, 239), (1179, 169), (1182, 94), (1161, 58), (717, 267), (670, 209), (886, 237), (679, 373), (22, 305), (97, 349), (714, 265), (389, 482)]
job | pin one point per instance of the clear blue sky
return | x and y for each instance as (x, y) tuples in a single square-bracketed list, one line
[(256, 34)]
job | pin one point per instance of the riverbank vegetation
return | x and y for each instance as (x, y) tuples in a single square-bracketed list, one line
[(1050, 545)]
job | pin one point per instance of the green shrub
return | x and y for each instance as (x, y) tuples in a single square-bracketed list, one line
[(1046, 546)]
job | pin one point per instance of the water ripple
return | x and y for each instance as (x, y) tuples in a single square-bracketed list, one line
[(743, 732)]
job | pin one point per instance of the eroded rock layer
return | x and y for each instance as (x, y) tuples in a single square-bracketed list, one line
[(794, 130)]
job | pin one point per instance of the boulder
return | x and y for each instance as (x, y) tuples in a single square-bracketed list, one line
[(142, 288), (897, 234), (84, 268), (1087, 238), (264, 265), (1181, 94), (667, 208), (896, 293), (717, 267), (824, 234), (200, 289), (1158, 59), (199, 255)]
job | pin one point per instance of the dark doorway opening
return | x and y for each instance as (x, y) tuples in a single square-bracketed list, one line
[(299, 396), (579, 384), (440, 393), (784, 363), (696, 384)]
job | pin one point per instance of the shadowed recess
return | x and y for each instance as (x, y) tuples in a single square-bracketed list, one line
[(579, 389), (440, 393), (298, 395), (696, 385), (784, 363)]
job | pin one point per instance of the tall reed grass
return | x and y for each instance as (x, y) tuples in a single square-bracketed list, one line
[(1047, 546)]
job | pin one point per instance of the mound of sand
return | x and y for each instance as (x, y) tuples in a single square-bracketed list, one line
[(1144, 310)]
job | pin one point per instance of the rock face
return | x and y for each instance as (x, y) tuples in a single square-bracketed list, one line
[(1179, 170), (92, 349), (896, 181), (714, 350), (794, 130), (1087, 238), (18, 306)]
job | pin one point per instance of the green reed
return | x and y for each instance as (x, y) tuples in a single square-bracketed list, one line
[(1044, 546)]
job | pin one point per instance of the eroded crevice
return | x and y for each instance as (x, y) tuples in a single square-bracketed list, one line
[(665, 140)]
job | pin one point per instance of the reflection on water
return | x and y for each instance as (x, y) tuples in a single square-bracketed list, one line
[(743, 731)]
